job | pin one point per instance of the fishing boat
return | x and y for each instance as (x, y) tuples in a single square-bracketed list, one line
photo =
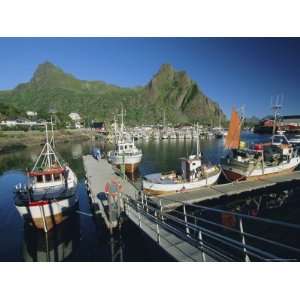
[(172, 135), (49, 194), (164, 136), (258, 160), (125, 152), (194, 174), (219, 131), (180, 135), (156, 135)]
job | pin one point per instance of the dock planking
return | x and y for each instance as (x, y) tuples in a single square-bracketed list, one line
[(98, 174)]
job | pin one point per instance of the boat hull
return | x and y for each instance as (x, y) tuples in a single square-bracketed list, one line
[(45, 214), (234, 174), (156, 189), (129, 168), (59, 192), (131, 162)]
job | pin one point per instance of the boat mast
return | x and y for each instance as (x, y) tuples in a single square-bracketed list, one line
[(276, 107), (52, 132), (198, 144), (122, 121), (47, 147)]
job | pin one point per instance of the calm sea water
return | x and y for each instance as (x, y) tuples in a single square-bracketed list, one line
[(80, 238)]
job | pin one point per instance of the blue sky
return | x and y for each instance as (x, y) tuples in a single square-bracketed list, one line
[(233, 72)]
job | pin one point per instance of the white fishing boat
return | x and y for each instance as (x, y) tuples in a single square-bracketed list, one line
[(210, 135), (50, 191), (188, 135), (194, 174), (218, 132), (260, 160), (164, 136), (180, 135), (172, 135), (125, 152), (156, 135)]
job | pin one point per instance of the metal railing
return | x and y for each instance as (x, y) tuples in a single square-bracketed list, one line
[(219, 234)]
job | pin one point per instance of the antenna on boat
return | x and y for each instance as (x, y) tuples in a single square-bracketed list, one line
[(52, 133), (48, 154), (122, 121), (276, 107)]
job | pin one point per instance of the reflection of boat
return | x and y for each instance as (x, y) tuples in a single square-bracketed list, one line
[(194, 175), (50, 190), (57, 245), (76, 151), (261, 160)]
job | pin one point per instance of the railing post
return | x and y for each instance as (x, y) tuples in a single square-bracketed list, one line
[(187, 230), (146, 198), (201, 245), (157, 228), (139, 214), (161, 211), (243, 239), (142, 198)]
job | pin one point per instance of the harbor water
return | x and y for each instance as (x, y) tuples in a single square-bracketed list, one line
[(81, 238)]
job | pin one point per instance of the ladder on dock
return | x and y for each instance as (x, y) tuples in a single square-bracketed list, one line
[(192, 232)]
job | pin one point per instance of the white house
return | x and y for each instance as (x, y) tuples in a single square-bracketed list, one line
[(31, 113), (75, 117)]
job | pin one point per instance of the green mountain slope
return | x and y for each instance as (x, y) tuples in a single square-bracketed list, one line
[(170, 91)]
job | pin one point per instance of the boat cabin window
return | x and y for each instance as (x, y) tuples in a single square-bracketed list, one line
[(39, 178), (48, 177), (56, 177), (130, 146), (125, 147), (279, 140), (121, 148)]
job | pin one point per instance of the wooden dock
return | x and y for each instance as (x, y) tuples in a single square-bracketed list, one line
[(174, 201), (98, 173), (181, 238)]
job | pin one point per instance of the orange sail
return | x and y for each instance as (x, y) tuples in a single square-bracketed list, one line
[(233, 136)]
